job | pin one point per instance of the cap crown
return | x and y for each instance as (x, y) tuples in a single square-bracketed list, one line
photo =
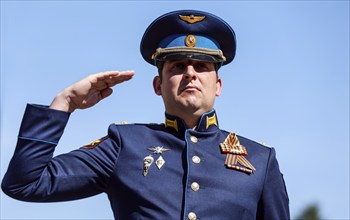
[(171, 30)]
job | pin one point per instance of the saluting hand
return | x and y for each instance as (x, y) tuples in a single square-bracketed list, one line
[(89, 91)]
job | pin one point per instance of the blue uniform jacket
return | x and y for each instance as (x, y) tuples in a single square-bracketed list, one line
[(193, 182)]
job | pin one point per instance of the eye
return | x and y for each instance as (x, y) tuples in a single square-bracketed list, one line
[(178, 67), (200, 66)]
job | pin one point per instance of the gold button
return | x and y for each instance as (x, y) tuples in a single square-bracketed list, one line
[(195, 186), (196, 159), (192, 216), (194, 139)]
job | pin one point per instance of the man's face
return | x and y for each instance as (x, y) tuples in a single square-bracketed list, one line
[(188, 87)]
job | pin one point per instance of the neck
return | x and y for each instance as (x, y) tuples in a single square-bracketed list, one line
[(191, 119), (207, 121), (191, 122)]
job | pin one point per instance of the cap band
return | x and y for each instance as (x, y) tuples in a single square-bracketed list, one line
[(179, 40)]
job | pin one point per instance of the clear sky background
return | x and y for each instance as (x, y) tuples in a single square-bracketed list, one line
[(287, 87)]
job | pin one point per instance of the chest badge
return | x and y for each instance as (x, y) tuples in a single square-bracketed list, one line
[(236, 154), (158, 149), (148, 160)]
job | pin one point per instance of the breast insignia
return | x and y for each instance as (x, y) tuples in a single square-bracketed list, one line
[(158, 149), (148, 160)]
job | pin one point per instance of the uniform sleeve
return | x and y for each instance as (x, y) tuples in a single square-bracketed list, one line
[(274, 201), (35, 175)]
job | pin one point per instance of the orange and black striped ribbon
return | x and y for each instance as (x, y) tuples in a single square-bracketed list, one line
[(235, 154)]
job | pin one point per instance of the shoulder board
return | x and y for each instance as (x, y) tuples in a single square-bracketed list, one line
[(127, 123), (258, 142), (94, 143), (265, 145), (121, 123), (156, 124)]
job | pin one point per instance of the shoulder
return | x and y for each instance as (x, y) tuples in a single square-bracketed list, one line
[(254, 146), (246, 141), (123, 133), (125, 127), (249, 142), (257, 149)]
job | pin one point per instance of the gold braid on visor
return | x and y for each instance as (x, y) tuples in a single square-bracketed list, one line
[(187, 50)]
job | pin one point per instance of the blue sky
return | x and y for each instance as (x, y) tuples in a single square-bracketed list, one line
[(287, 87)]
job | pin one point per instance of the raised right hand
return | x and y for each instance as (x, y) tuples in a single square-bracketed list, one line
[(89, 91)]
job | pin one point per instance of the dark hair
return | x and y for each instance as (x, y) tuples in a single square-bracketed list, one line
[(160, 65)]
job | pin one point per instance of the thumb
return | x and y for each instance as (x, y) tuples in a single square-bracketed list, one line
[(106, 92)]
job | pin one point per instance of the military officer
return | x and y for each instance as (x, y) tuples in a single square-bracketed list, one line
[(204, 172)]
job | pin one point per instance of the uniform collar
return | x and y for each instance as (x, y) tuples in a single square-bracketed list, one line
[(207, 122)]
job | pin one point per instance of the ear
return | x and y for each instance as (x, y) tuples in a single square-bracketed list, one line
[(157, 85), (218, 87)]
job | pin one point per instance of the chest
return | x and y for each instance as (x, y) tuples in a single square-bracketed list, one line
[(192, 175)]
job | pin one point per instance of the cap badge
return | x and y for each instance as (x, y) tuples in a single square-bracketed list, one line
[(191, 18), (190, 40), (235, 154)]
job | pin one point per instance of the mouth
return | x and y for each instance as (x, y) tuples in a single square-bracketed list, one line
[(190, 88)]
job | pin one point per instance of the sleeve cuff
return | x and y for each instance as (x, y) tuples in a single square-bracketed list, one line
[(41, 123)]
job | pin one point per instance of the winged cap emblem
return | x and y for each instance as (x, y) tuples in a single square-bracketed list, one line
[(191, 18)]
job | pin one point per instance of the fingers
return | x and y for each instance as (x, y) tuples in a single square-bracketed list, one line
[(111, 78)]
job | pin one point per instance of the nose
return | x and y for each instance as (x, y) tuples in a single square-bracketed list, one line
[(190, 73)]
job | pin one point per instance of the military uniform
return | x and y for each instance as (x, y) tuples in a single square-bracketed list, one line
[(151, 171), (192, 183)]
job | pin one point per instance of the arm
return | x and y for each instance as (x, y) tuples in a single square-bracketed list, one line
[(33, 175), (274, 201)]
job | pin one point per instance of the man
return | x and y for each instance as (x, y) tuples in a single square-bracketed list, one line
[(186, 168)]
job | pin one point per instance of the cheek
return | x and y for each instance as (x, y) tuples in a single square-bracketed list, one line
[(210, 84), (170, 84)]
